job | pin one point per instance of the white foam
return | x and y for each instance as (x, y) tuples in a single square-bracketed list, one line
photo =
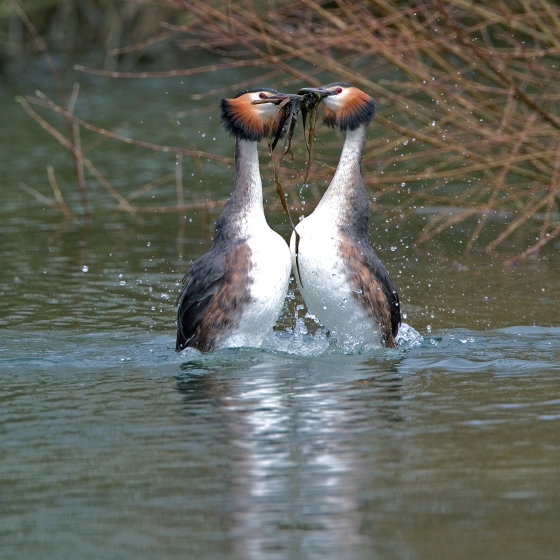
[(408, 337)]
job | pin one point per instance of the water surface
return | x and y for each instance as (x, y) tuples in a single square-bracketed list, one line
[(114, 446)]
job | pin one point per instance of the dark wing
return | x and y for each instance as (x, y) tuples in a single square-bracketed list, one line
[(212, 297), (200, 284), (372, 286)]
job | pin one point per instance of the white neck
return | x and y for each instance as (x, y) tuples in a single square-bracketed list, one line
[(348, 175), (247, 198)]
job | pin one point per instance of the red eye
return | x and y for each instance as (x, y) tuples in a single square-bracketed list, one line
[(262, 95), (338, 90)]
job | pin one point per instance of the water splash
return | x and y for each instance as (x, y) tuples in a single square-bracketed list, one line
[(408, 337), (298, 340)]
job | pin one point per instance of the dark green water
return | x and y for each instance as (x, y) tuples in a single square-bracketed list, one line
[(114, 446)]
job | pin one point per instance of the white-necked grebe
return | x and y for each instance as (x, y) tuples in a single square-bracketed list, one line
[(233, 295), (341, 279)]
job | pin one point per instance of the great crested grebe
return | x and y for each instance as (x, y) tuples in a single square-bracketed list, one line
[(233, 295), (341, 279)]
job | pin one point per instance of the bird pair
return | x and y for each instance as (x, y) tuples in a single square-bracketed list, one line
[(233, 295)]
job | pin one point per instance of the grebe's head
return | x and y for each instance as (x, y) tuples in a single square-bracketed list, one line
[(252, 114), (346, 106)]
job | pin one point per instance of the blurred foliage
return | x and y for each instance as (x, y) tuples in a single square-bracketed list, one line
[(468, 126), (74, 26)]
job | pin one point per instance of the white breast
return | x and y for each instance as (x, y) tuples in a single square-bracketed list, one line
[(270, 276), (324, 285)]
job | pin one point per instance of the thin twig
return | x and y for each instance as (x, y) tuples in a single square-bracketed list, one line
[(69, 146), (40, 197), (57, 193), (107, 133)]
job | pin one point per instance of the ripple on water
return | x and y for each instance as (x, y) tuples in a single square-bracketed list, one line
[(513, 351)]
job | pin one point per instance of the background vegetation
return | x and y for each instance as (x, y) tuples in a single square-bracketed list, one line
[(468, 127)]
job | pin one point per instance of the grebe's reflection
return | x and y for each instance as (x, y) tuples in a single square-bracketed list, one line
[(292, 440)]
